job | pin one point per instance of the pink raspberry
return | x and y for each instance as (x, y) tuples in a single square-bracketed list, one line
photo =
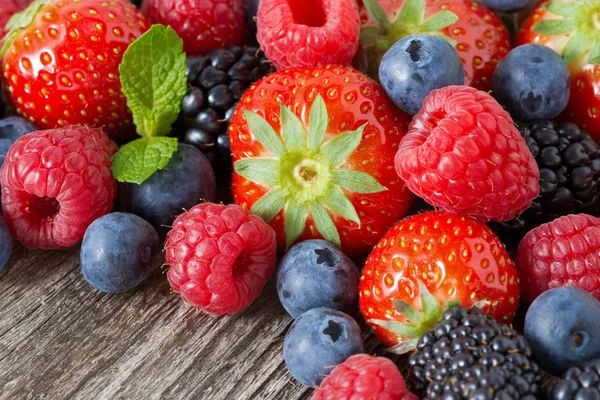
[(220, 257), (55, 183), (463, 154), (564, 252), (364, 377)]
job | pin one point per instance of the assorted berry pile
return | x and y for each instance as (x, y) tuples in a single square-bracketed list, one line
[(281, 144)]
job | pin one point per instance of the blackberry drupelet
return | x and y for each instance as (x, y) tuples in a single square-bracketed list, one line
[(569, 161), (469, 355), (217, 82), (578, 383)]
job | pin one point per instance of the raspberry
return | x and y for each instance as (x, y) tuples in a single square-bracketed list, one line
[(463, 154), (308, 33), (55, 183), (202, 24), (564, 252), (363, 377), (220, 257)]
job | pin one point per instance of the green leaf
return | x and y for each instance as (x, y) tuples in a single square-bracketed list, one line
[(260, 170), (452, 304), (324, 224), (268, 206), (376, 12), (153, 80), (318, 123), (576, 47), (411, 13), (18, 22), (408, 331), (429, 305), (338, 149), (563, 9), (554, 26), (408, 311), (138, 160), (295, 219), (594, 57), (292, 131), (369, 35), (335, 200), (357, 181), (439, 21), (264, 133)]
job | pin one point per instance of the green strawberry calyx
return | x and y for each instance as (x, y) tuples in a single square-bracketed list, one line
[(304, 174), (20, 21), (581, 23), (417, 321)]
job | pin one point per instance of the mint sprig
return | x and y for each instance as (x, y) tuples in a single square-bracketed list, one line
[(153, 81)]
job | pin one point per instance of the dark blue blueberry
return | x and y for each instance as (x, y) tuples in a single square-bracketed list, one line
[(117, 252), (316, 274), (319, 340), (11, 129), (5, 145), (563, 328), (185, 182), (5, 244), (508, 5), (533, 83), (415, 66)]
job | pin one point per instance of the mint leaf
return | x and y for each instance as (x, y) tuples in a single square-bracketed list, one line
[(138, 160), (153, 80)]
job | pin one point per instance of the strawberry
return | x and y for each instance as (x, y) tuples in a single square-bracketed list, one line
[(430, 262), (314, 156), (478, 34), (9, 8), (571, 28), (61, 62)]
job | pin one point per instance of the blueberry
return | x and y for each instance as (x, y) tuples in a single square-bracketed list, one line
[(185, 182), (415, 66), (563, 327), (5, 145), (14, 127), (533, 83), (316, 274), (319, 340), (117, 252), (5, 244), (508, 5)]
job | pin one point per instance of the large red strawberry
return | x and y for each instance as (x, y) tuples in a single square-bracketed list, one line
[(480, 37), (571, 28), (314, 156), (9, 8), (427, 263), (61, 62)]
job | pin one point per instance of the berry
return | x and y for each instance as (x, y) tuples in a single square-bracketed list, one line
[(251, 13), (5, 244), (308, 33), (319, 340), (469, 355), (314, 274), (11, 129), (9, 8), (569, 164), (220, 257), (463, 154), (563, 252), (202, 25), (533, 83), (117, 252), (187, 180), (415, 66), (434, 258), (508, 5), (562, 327), (364, 377), (319, 167), (482, 40), (554, 26), (55, 183), (217, 82), (71, 76), (580, 383)]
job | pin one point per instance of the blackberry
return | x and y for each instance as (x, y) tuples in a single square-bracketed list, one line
[(217, 81), (469, 355), (569, 162), (578, 383)]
